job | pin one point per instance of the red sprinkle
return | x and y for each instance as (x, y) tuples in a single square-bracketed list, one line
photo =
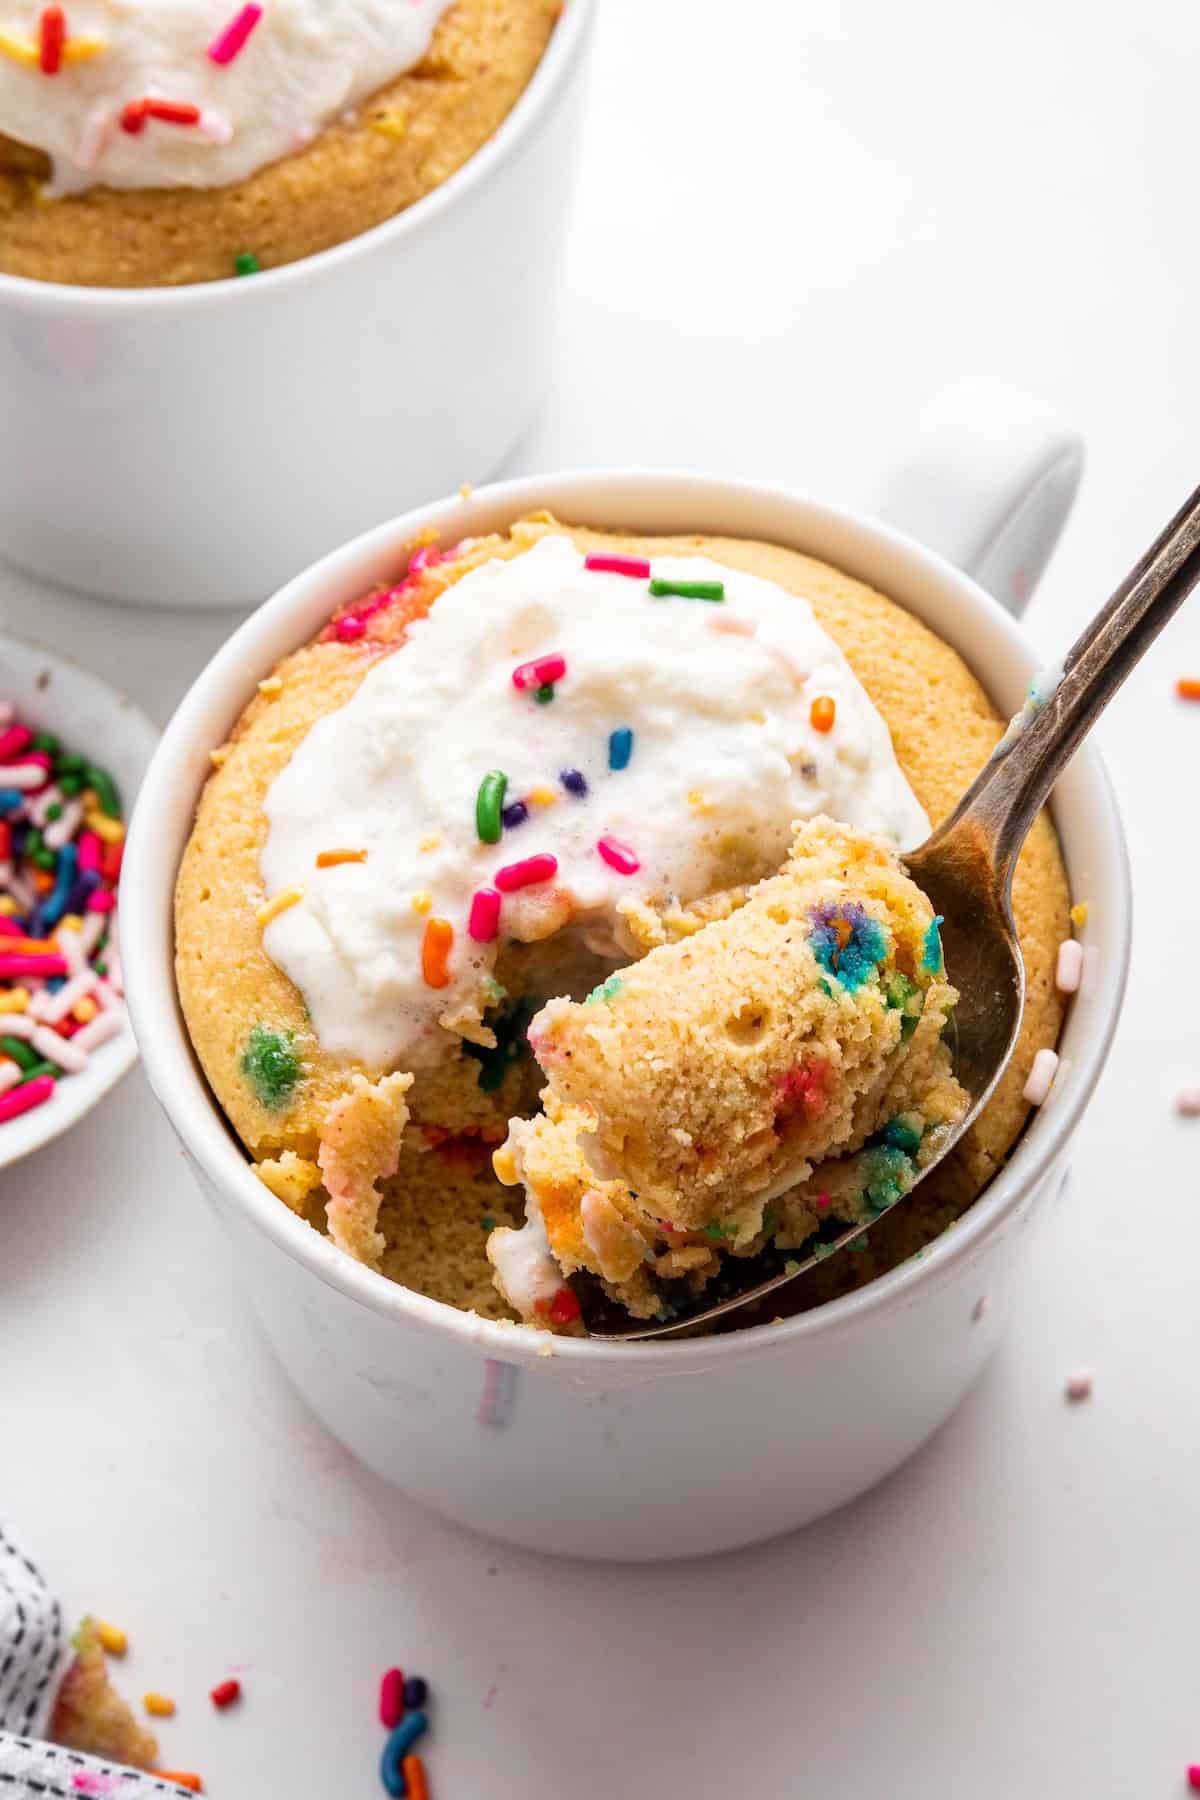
[(484, 921), (637, 566), (52, 32), (226, 1692), (543, 671), (618, 856), (391, 1698), (13, 741), (564, 1307), (526, 874), (172, 112)]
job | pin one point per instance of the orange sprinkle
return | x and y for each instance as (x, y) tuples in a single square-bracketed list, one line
[(85, 1010), (181, 1778), (112, 1639), (415, 1784), (43, 880), (278, 903), (23, 946), (329, 859), (435, 952), (823, 712), (1187, 688), (160, 1705)]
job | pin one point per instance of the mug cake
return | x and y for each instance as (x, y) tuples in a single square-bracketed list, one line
[(549, 796), (182, 141)]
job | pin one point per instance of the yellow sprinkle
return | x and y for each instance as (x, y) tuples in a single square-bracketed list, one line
[(392, 122), (699, 801), (19, 50), (331, 859), (504, 1165), (111, 830), (431, 842), (82, 49), (542, 796), (218, 758), (465, 491), (757, 718), (271, 686), (421, 902), (160, 1705), (112, 1638), (13, 999), (1079, 914), (69, 922), (271, 909), (85, 1010), (6, 905)]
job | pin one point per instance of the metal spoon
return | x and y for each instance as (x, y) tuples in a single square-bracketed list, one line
[(966, 869)]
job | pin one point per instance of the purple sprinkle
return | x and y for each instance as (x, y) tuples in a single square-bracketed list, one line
[(574, 782), (514, 815)]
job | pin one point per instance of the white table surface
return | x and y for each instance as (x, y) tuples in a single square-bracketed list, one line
[(794, 223)]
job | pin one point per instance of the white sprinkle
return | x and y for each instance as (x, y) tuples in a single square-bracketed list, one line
[(1079, 1386), (214, 126), (1070, 966), (18, 1025), (60, 831), (50, 1008), (10, 1074), (58, 1050), (1187, 1102), (105, 1025), (23, 776), (1045, 1067)]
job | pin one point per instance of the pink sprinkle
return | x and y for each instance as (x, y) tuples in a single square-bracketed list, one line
[(101, 901), (637, 566), (823, 1203), (1193, 1777), (1079, 1387), (15, 966), (484, 921), (26, 1097), (427, 557), (391, 1698), (13, 741), (523, 874), (350, 627), (90, 851), (541, 672), (228, 42), (9, 927), (618, 856)]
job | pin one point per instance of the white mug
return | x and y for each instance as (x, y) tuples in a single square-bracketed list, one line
[(676, 1448), (196, 446)]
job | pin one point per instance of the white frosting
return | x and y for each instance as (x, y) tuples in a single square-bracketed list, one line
[(723, 742), (304, 63), (525, 1264)]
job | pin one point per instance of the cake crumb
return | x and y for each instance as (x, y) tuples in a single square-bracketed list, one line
[(1079, 1386), (1079, 914)]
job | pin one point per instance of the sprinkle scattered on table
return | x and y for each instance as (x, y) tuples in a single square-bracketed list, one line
[(1078, 1386), (1187, 1102), (159, 1706), (1188, 688), (401, 1711), (226, 1693)]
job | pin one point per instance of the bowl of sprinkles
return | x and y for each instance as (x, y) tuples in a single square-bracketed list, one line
[(72, 753)]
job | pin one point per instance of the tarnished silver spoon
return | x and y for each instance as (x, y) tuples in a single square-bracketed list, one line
[(966, 869)]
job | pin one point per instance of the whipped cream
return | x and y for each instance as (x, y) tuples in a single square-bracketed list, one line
[(719, 700), (300, 64)]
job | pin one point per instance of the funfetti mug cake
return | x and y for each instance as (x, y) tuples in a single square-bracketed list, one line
[(180, 141), (474, 926)]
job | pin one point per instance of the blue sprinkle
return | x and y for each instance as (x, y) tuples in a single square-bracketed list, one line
[(416, 1692), (847, 942), (620, 747), (55, 905), (11, 799), (931, 956), (574, 781), (514, 815), (397, 1748)]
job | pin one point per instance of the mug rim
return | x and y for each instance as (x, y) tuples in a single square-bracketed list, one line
[(181, 762), (557, 60)]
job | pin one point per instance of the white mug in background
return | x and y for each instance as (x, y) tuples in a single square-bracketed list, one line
[(195, 446), (669, 1449)]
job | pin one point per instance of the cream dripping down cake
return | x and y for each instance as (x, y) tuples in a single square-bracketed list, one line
[(175, 141), (543, 922)]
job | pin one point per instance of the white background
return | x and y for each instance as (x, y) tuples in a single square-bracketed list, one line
[(794, 223)]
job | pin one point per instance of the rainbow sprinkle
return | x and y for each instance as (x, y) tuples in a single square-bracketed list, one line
[(637, 566), (847, 942), (484, 921), (231, 39), (489, 806), (618, 856), (687, 590), (620, 748), (543, 671), (529, 873)]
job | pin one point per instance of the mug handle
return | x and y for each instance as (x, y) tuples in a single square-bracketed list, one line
[(988, 485)]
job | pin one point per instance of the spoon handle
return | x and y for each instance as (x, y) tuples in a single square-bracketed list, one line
[(1010, 790)]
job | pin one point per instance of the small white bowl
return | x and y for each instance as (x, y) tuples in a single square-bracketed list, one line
[(52, 695)]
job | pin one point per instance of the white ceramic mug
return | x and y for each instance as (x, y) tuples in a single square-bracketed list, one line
[(670, 1449), (196, 446)]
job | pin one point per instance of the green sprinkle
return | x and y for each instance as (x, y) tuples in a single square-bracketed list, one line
[(858, 1243), (70, 785), (69, 763), (105, 790), (43, 741), (545, 694), (902, 1133), (45, 859), (271, 1066), (246, 263), (608, 990), (19, 1050), (715, 1230), (101, 968), (770, 1221), (688, 590), (494, 990), (488, 1223), (33, 841), (54, 811), (488, 804), (821, 1251), (791, 1266), (509, 1027), (39, 1068)]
